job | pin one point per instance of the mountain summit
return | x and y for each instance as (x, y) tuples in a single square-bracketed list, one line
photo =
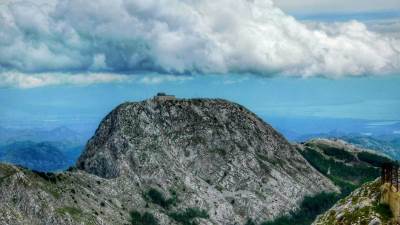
[(175, 161)]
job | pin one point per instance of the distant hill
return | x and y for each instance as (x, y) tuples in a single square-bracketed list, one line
[(306, 128), (345, 164), (381, 136), (387, 145), (41, 149), (43, 156), (59, 134)]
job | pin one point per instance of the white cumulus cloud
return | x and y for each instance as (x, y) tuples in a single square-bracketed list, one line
[(23, 80), (158, 79), (185, 36)]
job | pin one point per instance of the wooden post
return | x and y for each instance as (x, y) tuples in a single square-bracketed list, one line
[(396, 167), (390, 176), (383, 174)]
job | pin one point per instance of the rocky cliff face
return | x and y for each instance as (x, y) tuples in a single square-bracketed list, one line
[(165, 157)]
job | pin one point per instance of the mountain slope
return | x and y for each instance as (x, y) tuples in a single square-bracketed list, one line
[(199, 161)]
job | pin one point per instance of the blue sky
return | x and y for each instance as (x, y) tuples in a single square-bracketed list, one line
[(389, 14), (337, 6), (71, 62)]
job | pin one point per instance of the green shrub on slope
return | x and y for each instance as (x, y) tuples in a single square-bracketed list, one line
[(143, 219), (310, 207), (187, 217), (158, 198), (373, 159)]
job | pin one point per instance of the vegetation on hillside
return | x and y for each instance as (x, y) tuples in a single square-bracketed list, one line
[(155, 196), (187, 217), (336, 152), (308, 210), (146, 218), (373, 159), (347, 176)]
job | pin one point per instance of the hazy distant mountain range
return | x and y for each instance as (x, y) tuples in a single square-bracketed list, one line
[(60, 134), (304, 128), (382, 136), (40, 149), (42, 156)]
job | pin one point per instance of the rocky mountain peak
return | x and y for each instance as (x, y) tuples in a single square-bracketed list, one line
[(192, 132)]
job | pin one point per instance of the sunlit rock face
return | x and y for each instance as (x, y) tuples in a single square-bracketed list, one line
[(222, 157)]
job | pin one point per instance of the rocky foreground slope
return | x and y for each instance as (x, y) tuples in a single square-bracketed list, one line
[(360, 207), (198, 161)]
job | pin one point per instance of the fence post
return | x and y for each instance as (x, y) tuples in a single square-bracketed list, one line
[(397, 177)]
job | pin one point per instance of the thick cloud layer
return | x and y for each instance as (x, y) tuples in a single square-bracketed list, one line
[(186, 36)]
